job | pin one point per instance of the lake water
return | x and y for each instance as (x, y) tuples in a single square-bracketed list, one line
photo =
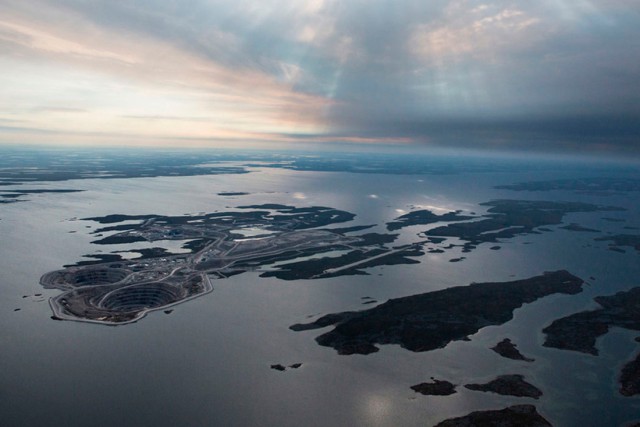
[(208, 362)]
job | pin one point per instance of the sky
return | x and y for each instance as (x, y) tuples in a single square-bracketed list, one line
[(547, 75)]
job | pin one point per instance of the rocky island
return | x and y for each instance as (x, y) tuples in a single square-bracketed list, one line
[(423, 217), (513, 416), (630, 378), (432, 320), (509, 218), (506, 348), (508, 385), (578, 332), (435, 388)]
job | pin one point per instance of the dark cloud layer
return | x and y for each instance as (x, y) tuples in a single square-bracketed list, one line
[(551, 74)]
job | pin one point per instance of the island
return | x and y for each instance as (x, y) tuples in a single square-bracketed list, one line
[(12, 196), (508, 385), (351, 263), (513, 416), (280, 367), (578, 332), (577, 227), (630, 378), (275, 240), (423, 217), (618, 240), (432, 320), (507, 349), (509, 218), (435, 388)]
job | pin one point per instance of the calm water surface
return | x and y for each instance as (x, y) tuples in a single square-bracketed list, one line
[(208, 362)]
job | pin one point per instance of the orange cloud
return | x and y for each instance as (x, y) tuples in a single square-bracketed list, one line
[(123, 74)]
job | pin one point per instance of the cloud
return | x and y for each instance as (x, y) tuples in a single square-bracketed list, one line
[(480, 33), (456, 73), (43, 41), (159, 76), (52, 109)]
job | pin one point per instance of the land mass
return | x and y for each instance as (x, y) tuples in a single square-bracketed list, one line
[(629, 240), (513, 416), (423, 217), (597, 185), (509, 218), (351, 263), (630, 378), (578, 332), (276, 240), (508, 385), (28, 166), (11, 196), (432, 320), (435, 388), (577, 227), (506, 348)]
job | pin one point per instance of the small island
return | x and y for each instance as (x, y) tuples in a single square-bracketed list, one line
[(13, 196), (618, 240), (508, 385), (232, 193), (506, 348), (577, 227), (435, 388)]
